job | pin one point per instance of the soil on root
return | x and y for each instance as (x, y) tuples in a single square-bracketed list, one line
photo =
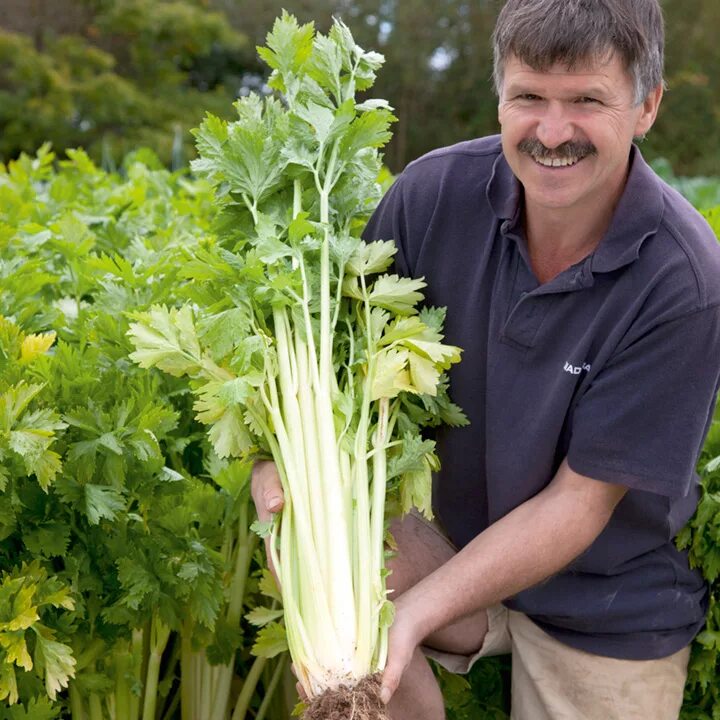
[(361, 702)]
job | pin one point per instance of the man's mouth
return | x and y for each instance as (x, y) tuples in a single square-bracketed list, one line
[(557, 162), (563, 156)]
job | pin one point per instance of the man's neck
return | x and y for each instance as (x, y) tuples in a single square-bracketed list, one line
[(560, 238)]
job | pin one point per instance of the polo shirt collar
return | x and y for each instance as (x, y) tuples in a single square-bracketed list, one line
[(503, 190), (637, 216)]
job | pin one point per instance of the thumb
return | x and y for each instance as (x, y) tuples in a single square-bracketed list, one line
[(391, 677), (273, 497), (266, 490)]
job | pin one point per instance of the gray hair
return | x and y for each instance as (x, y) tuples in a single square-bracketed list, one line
[(542, 33)]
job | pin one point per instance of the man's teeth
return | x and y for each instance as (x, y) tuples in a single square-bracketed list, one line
[(557, 162)]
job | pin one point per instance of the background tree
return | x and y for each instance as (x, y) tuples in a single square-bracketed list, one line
[(687, 131), (114, 74)]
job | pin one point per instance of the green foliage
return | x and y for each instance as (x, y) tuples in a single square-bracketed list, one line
[(687, 131), (482, 694), (702, 192), (161, 40), (125, 79), (701, 537), (122, 534), (26, 594)]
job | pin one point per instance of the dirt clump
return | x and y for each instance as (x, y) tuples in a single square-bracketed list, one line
[(361, 702)]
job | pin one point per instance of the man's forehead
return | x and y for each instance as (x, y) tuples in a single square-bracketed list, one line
[(605, 74), (605, 67)]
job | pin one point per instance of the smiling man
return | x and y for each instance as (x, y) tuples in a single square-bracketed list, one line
[(586, 295)]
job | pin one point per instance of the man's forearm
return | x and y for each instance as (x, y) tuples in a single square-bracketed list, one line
[(533, 542)]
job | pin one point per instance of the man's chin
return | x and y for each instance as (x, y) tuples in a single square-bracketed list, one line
[(561, 198)]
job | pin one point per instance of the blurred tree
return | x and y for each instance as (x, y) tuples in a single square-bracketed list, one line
[(114, 74), (439, 65), (687, 131), (414, 36)]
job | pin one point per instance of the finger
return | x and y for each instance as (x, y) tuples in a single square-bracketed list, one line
[(266, 490), (273, 498), (390, 681), (399, 657), (298, 685), (267, 494), (386, 693)]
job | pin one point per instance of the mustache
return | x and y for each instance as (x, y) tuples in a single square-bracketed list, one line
[(566, 151)]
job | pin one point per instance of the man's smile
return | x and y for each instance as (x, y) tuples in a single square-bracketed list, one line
[(557, 162), (564, 156)]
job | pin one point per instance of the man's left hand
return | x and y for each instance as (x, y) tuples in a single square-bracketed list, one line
[(403, 640)]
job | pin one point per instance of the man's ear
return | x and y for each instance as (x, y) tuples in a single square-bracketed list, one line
[(650, 107)]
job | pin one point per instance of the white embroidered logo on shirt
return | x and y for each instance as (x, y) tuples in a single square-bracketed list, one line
[(576, 369)]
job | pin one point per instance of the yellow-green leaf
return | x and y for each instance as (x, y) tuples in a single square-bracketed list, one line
[(35, 345)]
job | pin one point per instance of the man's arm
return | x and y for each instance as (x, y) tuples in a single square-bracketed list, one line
[(533, 542)]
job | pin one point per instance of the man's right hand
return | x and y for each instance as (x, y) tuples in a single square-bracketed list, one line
[(267, 494), (266, 490)]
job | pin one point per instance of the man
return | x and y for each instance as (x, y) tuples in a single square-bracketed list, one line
[(586, 295)]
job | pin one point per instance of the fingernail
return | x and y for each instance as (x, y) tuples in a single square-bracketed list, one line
[(273, 503), (385, 695)]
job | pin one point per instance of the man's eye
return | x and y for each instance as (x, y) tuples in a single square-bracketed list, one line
[(587, 100), (528, 96)]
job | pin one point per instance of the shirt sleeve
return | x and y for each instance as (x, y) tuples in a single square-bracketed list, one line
[(643, 420)]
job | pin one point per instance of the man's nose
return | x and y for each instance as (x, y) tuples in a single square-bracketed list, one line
[(555, 126)]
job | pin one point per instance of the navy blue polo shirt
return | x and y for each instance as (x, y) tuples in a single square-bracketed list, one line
[(613, 364)]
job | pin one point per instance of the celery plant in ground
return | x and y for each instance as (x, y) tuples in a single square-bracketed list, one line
[(125, 543), (298, 347)]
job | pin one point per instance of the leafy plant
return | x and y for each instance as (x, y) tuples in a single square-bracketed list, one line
[(126, 540), (701, 536), (482, 694), (298, 347)]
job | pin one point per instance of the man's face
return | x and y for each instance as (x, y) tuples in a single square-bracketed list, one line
[(567, 133)]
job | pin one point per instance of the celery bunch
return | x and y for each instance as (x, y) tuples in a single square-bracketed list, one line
[(299, 345)]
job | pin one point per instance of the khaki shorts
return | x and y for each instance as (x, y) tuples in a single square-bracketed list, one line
[(552, 681)]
